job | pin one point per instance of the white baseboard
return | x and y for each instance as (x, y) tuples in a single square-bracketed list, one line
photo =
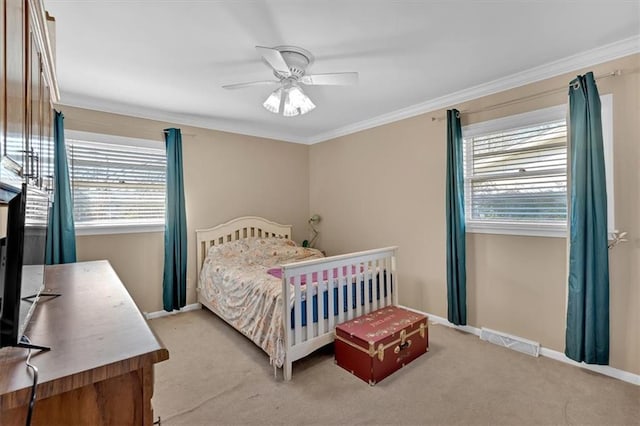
[(160, 314), (607, 370), (443, 321)]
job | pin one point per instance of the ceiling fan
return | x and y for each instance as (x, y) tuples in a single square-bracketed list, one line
[(289, 64)]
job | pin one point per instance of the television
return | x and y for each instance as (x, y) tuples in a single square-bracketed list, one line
[(22, 258)]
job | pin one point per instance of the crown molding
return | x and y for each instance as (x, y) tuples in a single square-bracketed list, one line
[(571, 63), (120, 108), (575, 62)]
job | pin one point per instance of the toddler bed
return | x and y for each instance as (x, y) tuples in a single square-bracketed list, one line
[(248, 267)]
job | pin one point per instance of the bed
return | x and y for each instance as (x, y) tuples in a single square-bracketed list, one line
[(287, 299)]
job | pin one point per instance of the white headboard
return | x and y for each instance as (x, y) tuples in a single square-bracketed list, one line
[(237, 229)]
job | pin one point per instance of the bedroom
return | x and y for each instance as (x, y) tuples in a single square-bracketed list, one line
[(229, 174)]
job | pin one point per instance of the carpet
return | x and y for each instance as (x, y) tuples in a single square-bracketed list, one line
[(216, 376)]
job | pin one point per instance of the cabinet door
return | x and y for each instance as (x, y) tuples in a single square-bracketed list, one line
[(34, 115), (46, 154), (15, 83), (3, 102)]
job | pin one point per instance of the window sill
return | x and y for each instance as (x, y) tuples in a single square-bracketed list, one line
[(117, 229), (523, 229)]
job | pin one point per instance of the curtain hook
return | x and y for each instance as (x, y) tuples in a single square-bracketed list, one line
[(576, 85)]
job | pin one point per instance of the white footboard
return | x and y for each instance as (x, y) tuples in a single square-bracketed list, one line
[(341, 288)]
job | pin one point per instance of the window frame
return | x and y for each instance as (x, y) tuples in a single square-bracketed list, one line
[(532, 118), (83, 230)]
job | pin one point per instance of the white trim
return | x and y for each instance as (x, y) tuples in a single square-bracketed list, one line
[(606, 110), (517, 121), (114, 140), (443, 321), (114, 107), (120, 141), (554, 230), (510, 122), (118, 229), (160, 314), (558, 112), (575, 62), (606, 370)]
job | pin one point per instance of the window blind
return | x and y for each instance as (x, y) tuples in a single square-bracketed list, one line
[(37, 207), (115, 184), (518, 175)]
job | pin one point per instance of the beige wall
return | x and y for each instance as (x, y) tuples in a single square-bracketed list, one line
[(385, 186), (225, 175)]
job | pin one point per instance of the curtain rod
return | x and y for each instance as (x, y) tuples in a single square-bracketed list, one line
[(181, 132), (614, 73)]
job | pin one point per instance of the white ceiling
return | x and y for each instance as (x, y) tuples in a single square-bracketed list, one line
[(167, 60)]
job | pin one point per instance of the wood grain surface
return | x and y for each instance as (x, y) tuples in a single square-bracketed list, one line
[(102, 351)]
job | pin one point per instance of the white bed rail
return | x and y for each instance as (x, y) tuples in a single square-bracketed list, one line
[(345, 286)]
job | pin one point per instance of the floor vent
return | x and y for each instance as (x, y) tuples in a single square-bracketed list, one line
[(512, 342)]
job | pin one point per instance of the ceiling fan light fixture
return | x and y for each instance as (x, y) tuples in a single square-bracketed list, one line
[(289, 65), (297, 102), (272, 103)]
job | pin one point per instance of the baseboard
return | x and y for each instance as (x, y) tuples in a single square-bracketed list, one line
[(606, 370), (443, 321), (160, 314)]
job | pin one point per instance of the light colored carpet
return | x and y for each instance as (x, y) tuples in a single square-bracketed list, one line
[(216, 376)]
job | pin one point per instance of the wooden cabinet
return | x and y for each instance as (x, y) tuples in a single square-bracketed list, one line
[(100, 367), (27, 91)]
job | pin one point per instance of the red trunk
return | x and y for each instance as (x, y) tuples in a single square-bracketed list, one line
[(375, 345)]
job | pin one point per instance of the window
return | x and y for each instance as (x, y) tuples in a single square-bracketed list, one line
[(118, 184), (515, 173)]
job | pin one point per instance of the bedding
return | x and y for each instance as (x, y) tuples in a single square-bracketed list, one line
[(234, 280), (264, 316)]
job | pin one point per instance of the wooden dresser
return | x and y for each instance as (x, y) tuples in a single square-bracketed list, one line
[(100, 367)]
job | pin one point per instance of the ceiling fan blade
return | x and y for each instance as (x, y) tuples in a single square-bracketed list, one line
[(275, 60), (249, 84), (337, 79)]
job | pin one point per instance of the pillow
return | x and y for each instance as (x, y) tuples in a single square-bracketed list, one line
[(258, 251), (286, 254), (229, 249), (266, 251)]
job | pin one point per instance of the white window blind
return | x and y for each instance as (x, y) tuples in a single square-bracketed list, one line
[(515, 172), (37, 207), (115, 184), (519, 175)]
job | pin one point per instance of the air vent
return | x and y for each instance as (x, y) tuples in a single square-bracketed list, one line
[(512, 342)]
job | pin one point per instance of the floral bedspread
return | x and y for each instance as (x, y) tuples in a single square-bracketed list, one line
[(234, 280)]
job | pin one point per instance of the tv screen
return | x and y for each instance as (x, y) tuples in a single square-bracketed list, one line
[(22, 251)]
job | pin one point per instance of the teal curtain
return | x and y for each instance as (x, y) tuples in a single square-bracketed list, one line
[(61, 233), (456, 251), (174, 282), (587, 333)]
